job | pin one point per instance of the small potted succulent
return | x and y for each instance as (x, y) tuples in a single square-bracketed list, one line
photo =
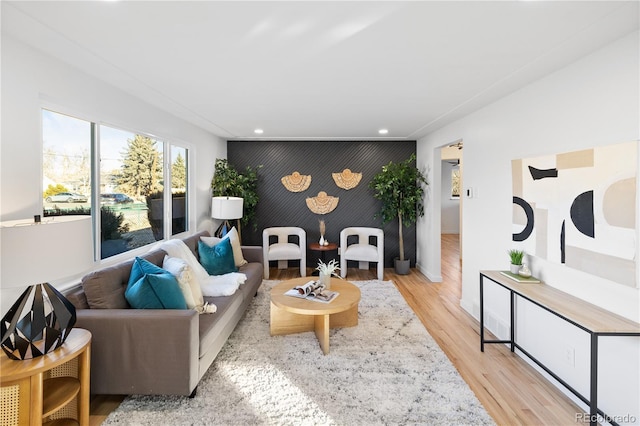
[(326, 271), (516, 257)]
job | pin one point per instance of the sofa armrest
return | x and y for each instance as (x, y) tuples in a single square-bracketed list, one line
[(252, 254), (142, 351)]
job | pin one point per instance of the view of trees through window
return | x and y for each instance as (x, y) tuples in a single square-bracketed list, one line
[(130, 187), (178, 189)]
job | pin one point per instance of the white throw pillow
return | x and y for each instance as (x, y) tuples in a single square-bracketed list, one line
[(238, 258), (188, 283)]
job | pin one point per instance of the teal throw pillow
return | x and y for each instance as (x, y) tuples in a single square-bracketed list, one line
[(142, 267), (151, 287), (217, 260)]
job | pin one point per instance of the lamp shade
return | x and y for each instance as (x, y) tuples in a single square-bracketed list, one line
[(226, 207), (58, 247), (57, 250)]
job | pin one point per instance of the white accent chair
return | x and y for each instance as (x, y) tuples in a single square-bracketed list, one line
[(362, 251), (282, 250)]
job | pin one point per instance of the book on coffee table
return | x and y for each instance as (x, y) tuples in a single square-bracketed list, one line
[(312, 290)]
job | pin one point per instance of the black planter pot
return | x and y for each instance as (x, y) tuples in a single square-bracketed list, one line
[(401, 266)]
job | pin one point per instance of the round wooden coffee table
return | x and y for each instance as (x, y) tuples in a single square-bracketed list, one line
[(293, 315)]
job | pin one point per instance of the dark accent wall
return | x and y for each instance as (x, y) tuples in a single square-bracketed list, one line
[(357, 207)]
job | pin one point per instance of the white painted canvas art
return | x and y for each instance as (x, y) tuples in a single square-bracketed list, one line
[(579, 209)]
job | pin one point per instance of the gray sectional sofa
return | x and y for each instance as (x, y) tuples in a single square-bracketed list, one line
[(150, 351)]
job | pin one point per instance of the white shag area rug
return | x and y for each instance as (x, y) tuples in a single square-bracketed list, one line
[(386, 370)]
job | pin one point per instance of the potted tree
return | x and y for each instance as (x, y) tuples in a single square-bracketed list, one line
[(400, 187), (227, 181)]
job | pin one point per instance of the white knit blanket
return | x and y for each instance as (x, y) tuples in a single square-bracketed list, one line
[(211, 285)]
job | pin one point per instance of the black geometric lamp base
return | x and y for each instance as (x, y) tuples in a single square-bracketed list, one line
[(39, 322)]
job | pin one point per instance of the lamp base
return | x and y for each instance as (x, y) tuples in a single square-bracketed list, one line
[(37, 323), (223, 229)]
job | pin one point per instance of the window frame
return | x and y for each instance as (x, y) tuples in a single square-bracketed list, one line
[(167, 142)]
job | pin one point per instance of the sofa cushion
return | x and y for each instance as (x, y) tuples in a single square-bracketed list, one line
[(235, 245), (105, 287), (252, 271), (284, 251), (212, 326), (192, 242), (217, 260), (186, 279), (363, 252), (151, 287)]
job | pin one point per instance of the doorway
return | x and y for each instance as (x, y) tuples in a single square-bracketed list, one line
[(451, 157)]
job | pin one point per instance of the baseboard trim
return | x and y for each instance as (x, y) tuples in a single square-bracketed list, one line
[(471, 308), (434, 278)]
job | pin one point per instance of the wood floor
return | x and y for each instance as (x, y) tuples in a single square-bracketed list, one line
[(511, 391)]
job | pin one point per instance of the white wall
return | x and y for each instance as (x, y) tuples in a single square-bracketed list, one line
[(592, 102), (30, 80)]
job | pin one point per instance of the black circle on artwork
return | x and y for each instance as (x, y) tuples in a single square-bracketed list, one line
[(528, 211), (582, 214)]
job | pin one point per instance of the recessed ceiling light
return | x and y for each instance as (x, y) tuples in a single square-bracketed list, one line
[(383, 131), (258, 131)]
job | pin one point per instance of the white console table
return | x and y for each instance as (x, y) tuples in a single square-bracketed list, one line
[(586, 316)]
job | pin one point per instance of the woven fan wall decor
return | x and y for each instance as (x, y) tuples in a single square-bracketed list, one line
[(346, 179), (322, 203), (295, 182)]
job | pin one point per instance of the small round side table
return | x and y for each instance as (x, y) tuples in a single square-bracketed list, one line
[(40, 390), (323, 250)]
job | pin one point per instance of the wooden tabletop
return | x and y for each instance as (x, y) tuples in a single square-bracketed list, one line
[(327, 247), (349, 297), (590, 316), (11, 369)]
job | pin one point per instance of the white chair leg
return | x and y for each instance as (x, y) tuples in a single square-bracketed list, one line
[(266, 269), (283, 264), (363, 265), (303, 267), (380, 271)]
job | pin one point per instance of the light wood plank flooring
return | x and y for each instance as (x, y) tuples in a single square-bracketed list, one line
[(511, 391)]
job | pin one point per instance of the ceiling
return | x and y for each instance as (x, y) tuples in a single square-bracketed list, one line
[(319, 70)]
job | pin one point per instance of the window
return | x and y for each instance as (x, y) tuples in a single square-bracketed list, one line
[(66, 165), (129, 190), (178, 189)]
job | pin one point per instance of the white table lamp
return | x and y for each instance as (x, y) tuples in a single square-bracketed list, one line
[(226, 208), (55, 250)]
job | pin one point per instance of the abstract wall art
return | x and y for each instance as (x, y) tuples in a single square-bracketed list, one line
[(579, 209)]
